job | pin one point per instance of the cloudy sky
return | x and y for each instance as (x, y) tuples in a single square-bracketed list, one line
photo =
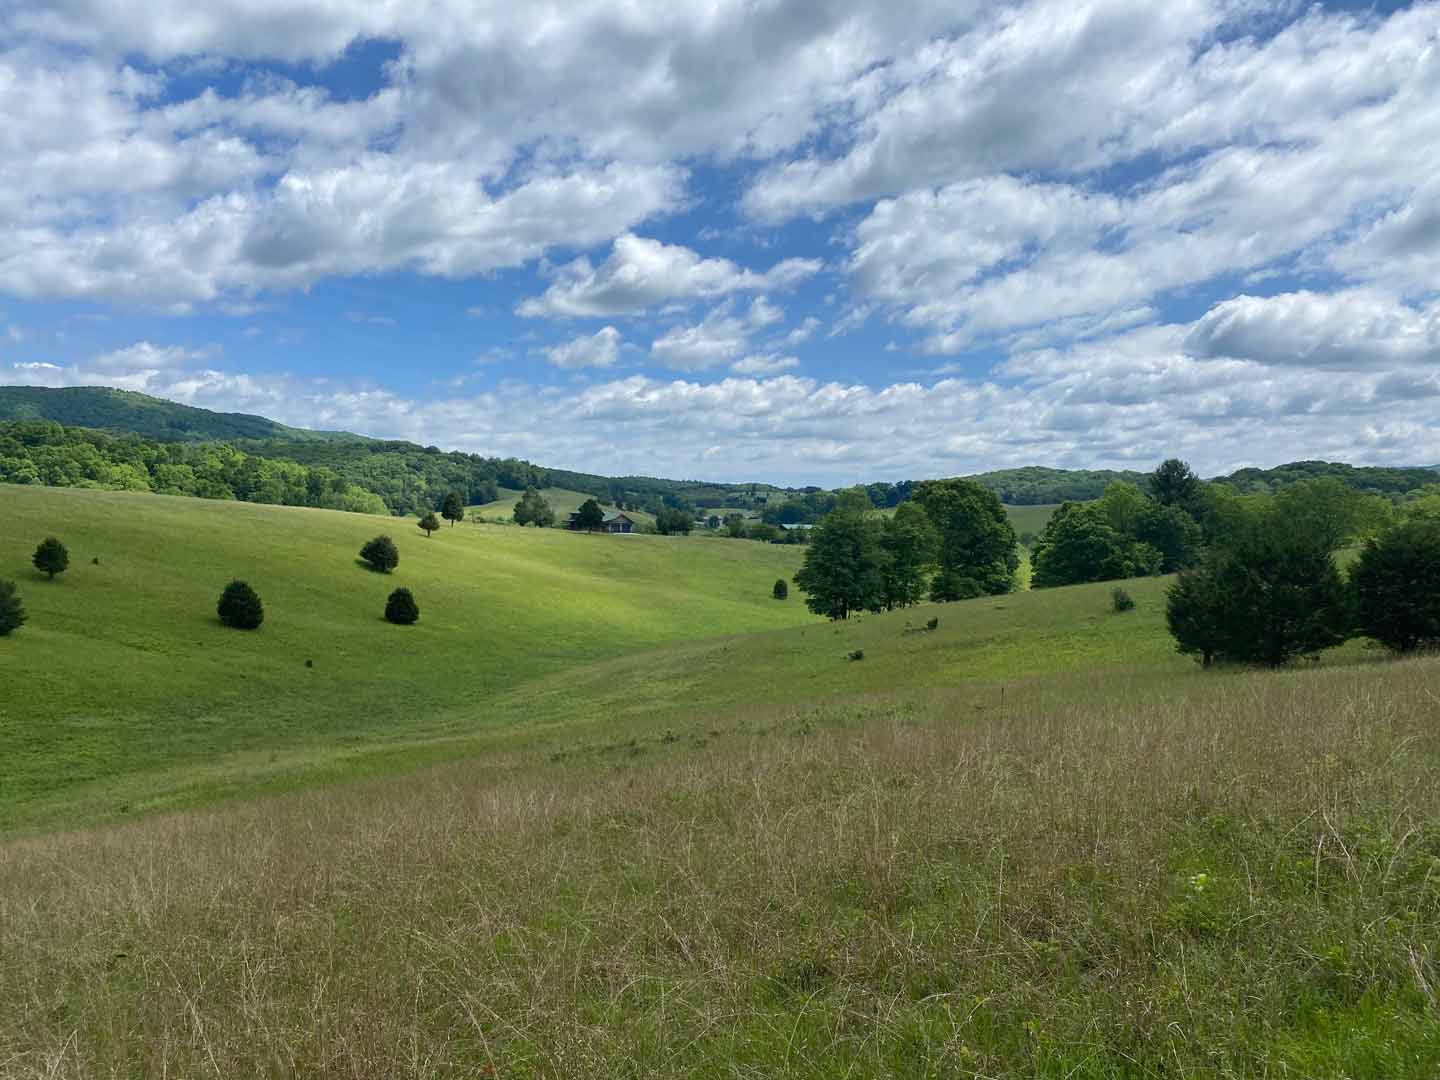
[(792, 240)]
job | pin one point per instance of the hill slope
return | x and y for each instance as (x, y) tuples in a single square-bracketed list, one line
[(124, 688), (126, 411)]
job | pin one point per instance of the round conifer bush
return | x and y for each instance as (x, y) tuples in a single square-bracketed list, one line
[(240, 607), (401, 608), (12, 612), (381, 553), (781, 590), (51, 557)]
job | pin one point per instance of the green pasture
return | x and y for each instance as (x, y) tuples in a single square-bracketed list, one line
[(123, 691)]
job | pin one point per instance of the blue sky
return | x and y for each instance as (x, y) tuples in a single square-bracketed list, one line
[(823, 242)]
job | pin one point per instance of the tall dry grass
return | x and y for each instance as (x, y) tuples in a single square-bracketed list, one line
[(1243, 880)]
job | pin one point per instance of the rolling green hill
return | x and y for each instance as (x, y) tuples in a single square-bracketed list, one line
[(666, 826), (127, 411), (124, 690)]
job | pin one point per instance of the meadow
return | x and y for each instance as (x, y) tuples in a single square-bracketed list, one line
[(123, 693), (704, 842)]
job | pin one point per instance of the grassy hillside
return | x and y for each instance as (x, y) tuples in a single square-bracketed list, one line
[(1120, 870), (1031, 519), (127, 411), (124, 692), (562, 500)]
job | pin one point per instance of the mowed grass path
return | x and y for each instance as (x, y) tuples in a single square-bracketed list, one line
[(123, 692)]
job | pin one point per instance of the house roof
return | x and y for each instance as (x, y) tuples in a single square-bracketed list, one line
[(618, 515)]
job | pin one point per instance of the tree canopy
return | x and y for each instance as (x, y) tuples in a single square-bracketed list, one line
[(533, 509), (976, 540), (1397, 586), (590, 516), (51, 557)]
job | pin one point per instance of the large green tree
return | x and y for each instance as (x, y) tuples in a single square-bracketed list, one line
[(1174, 483), (1397, 586), (909, 541), (1077, 545), (1272, 595), (844, 569), (977, 543)]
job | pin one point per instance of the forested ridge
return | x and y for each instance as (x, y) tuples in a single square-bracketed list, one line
[(98, 437)]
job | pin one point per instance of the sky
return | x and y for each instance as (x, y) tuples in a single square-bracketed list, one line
[(817, 241)]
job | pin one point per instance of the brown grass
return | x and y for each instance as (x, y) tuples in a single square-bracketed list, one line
[(905, 888)]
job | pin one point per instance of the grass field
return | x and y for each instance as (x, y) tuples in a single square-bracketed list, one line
[(1030, 842), (124, 692), (563, 501), (1031, 519)]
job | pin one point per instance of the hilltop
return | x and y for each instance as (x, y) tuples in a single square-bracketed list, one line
[(128, 412)]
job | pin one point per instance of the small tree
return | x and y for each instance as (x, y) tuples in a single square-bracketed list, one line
[(381, 553), (532, 509), (401, 608), (1397, 586), (781, 590), (12, 612), (429, 523), (590, 516), (51, 557), (240, 607), (453, 509)]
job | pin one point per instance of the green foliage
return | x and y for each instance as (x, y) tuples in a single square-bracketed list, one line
[(1034, 485), (1121, 600), (856, 654), (1078, 545), (1271, 596), (673, 522), (1370, 479), (381, 553), (976, 540), (401, 609), (910, 542), (1172, 532), (781, 591), (139, 414), (1331, 512), (1195, 612), (39, 452), (590, 516), (735, 526), (1174, 483), (51, 557), (453, 508), (844, 564), (12, 611), (429, 522), (240, 607), (1397, 586), (532, 509)]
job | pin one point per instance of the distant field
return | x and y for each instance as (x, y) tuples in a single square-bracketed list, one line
[(1031, 519), (562, 501), (124, 693)]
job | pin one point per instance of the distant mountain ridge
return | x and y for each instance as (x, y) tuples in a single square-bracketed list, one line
[(129, 412), (358, 458)]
